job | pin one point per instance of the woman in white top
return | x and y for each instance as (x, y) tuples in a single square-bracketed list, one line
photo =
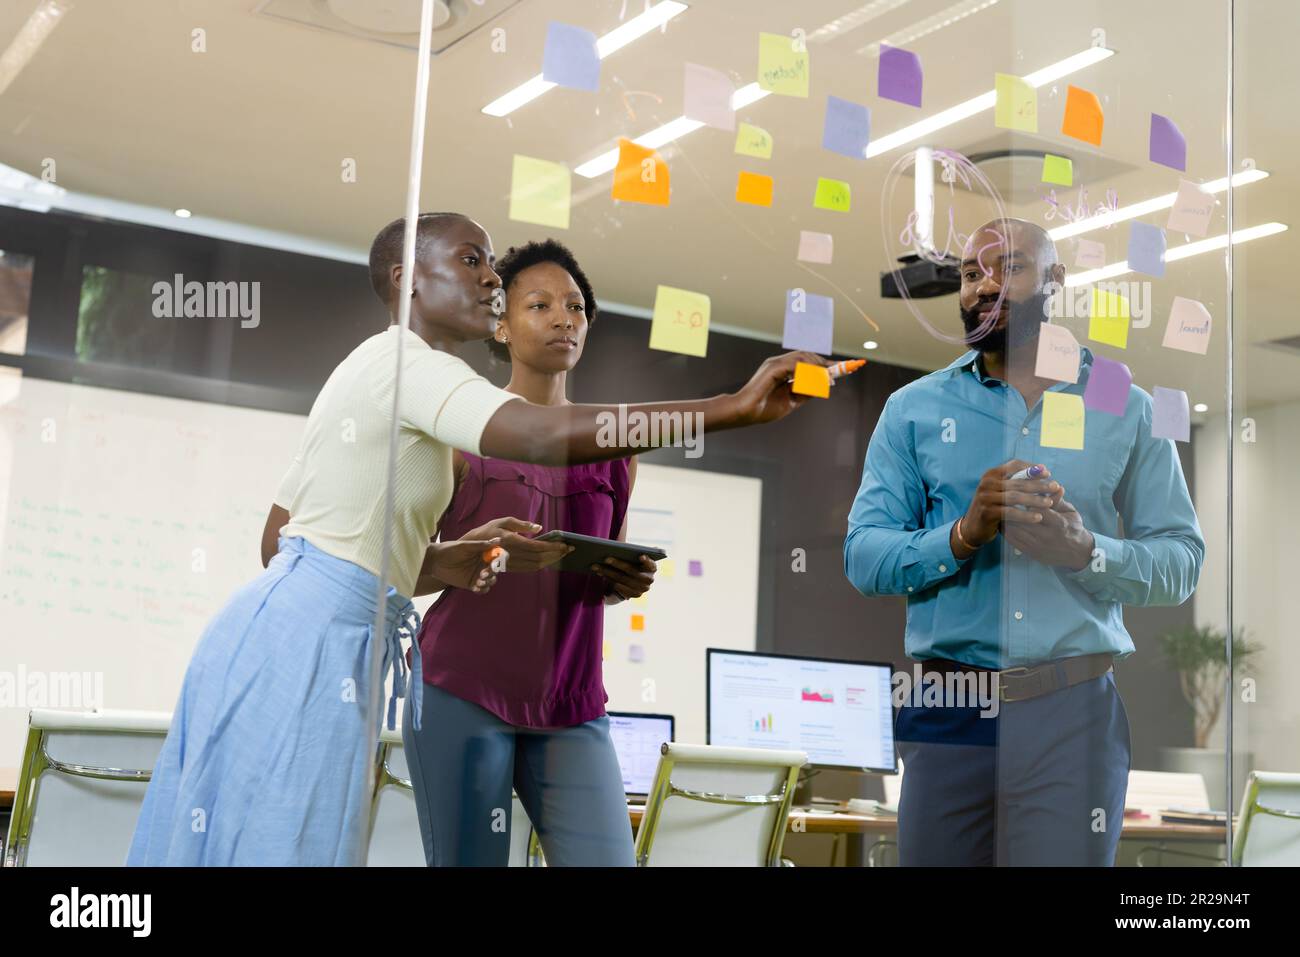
[(266, 758)]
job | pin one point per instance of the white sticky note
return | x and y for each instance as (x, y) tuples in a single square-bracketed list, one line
[(708, 97), (1189, 326), (1170, 417), (1192, 210), (816, 247), (1058, 354), (1090, 254)]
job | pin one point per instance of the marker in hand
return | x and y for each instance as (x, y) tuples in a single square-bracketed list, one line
[(1030, 473), (817, 380)]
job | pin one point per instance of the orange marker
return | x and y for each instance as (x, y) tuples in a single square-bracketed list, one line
[(492, 554), (847, 367)]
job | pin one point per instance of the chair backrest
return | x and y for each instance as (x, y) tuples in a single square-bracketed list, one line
[(1161, 790), (1268, 831), (80, 787), (395, 827), (718, 807)]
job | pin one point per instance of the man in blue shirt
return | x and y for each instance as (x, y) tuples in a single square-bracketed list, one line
[(1016, 581)]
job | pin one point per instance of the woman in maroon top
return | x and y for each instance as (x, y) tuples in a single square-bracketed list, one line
[(513, 691)]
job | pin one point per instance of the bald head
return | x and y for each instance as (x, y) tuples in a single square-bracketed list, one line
[(1001, 237)]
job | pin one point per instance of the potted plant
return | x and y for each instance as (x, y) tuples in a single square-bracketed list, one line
[(1199, 656)]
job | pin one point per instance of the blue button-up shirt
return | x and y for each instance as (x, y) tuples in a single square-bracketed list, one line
[(1000, 608)]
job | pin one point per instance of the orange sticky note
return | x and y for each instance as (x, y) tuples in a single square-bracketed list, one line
[(641, 175), (638, 622), (1083, 116), (811, 380), (754, 188)]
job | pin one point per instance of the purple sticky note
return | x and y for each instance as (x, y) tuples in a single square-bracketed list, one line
[(847, 128), (696, 568), (1108, 385), (899, 76), (1167, 146), (570, 58), (809, 322), (1146, 249), (1170, 418)]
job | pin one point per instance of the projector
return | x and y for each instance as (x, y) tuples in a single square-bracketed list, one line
[(923, 279)]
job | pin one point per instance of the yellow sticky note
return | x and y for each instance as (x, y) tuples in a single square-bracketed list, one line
[(753, 141), (641, 600), (1108, 318), (1058, 170), (666, 569), (604, 651), (1062, 420), (638, 622), (1016, 105), (832, 194), (782, 68), (811, 380), (539, 192), (680, 322), (641, 175), (754, 188), (1083, 117)]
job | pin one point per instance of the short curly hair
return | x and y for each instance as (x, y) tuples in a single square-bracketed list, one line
[(519, 258)]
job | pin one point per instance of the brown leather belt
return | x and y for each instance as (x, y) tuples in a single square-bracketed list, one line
[(1033, 681)]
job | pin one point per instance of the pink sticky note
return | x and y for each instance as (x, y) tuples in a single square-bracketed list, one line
[(1170, 416), (708, 97), (1090, 254), (1189, 326), (1058, 354), (1192, 209), (696, 568), (1108, 386), (816, 247)]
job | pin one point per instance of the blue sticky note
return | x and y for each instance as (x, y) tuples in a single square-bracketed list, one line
[(809, 322), (1108, 386), (899, 76), (1170, 418), (570, 58), (1146, 249), (847, 129), (1166, 145)]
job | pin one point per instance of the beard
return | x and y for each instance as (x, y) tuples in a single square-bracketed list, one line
[(1024, 319)]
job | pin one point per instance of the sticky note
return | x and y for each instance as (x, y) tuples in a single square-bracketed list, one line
[(1090, 254), (638, 622), (815, 247), (539, 192), (680, 322), (846, 128), (1166, 144), (1146, 248), (811, 380), (1058, 354), (570, 58), (1062, 420), (1191, 211), (1108, 318), (1170, 416), (753, 141), (754, 188), (898, 76), (1189, 326), (1058, 170), (809, 321), (636, 653), (1083, 117), (832, 194), (665, 569), (604, 650), (696, 568), (1016, 104), (708, 97), (641, 176), (781, 68), (1108, 385), (641, 600)]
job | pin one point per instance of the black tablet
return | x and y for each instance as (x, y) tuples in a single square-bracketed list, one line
[(589, 550)]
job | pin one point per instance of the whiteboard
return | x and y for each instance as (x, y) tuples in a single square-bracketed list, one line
[(127, 520), (705, 594)]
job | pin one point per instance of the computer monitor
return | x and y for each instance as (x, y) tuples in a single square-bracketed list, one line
[(840, 713), (637, 738)]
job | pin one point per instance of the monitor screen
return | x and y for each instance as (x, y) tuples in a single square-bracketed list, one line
[(637, 738), (838, 712)]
